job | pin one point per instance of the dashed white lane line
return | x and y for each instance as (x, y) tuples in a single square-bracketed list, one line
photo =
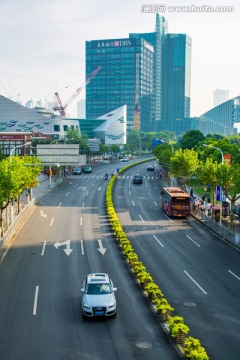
[(194, 281), (43, 249), (35, 300), (193, 241), (158, 241), (234, 274)]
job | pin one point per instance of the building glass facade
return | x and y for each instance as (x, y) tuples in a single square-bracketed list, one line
[(176, 81), (152, 70), (123, 61)]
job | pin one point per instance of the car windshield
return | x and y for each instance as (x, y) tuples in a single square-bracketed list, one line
[(98, 289)]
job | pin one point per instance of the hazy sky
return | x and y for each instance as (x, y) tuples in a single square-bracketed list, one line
[(43, 44)]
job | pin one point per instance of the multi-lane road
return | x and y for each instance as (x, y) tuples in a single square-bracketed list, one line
[(68, 236)]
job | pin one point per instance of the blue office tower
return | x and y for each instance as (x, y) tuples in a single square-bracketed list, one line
[(149, 72)]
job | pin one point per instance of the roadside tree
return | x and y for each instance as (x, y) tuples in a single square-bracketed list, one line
[(229, 179), (183, 165)]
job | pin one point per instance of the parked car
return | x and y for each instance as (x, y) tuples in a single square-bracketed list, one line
[(77, 171), (98, 298), (87, 169), (150, 168), (137, 179)]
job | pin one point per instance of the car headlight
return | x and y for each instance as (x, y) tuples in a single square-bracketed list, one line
[(86, 306), (110, 306)]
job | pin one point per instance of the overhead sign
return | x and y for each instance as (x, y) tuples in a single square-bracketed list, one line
[(94, 144)]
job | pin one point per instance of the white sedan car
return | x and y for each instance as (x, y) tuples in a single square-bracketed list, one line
[(98, 297)]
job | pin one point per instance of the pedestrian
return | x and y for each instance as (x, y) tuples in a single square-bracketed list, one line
[(209, 208), (191, 192)]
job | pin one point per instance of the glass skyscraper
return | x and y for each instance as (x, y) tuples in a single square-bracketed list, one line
[(126, 77), (148, 72)]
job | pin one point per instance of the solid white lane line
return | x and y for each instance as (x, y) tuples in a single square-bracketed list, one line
[(158, 241), (52, 221), (59, 204), (133, 203), (234, 274), (195, 282), (35, 300), (193, 241), (82, 248), (67, 193), (141, 217)]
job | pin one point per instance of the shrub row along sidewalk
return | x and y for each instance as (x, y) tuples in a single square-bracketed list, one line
[(190, 347)]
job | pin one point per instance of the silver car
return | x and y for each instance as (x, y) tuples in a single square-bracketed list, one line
[(98, 298)]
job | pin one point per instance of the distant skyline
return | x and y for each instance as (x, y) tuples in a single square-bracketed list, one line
[(43, 44)]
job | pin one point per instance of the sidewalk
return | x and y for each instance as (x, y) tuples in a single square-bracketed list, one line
[(224, 230)]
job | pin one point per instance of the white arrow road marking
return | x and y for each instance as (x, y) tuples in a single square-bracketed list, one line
[(68, 249), (82, 248), (101, 249), (195, 282), (42, 214), (35, 301), (52, 221)]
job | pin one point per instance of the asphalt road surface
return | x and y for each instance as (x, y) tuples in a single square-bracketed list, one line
[(197, 271), (66, 237)]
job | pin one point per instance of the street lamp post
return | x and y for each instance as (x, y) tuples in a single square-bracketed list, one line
[(18, 146), (214, 147)]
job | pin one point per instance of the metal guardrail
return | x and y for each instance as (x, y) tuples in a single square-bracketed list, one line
[(224, 231), (56, 183), (15, 225)]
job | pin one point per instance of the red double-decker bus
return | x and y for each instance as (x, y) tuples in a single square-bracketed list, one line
[(175, 202)]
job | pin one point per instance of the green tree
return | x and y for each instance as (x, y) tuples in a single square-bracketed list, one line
[(73, 136), (16, 174), (207, 174), (183, 165), (163, 153), (191, 138), (229, 179)]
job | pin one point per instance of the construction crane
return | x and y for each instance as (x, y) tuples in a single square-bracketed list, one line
[(60, 106)]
